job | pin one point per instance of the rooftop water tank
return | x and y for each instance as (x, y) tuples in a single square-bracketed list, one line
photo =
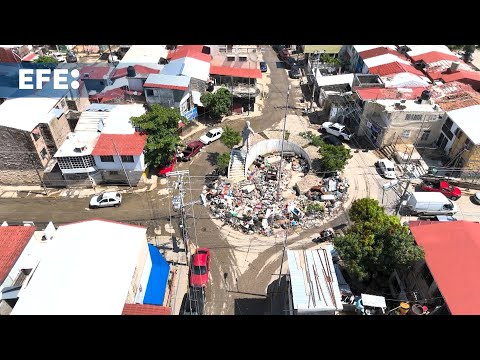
[(131, 71)]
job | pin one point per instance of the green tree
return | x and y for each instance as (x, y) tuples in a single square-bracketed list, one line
[(330, 59), (161, 125), (334, 157), (230, 137), (377, 243), (223, 161), (218, 103), (45, 59)]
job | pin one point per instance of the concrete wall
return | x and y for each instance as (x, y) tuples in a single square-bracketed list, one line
[(137, 275), (135, 84), (16, 154), (59, 129), (471, 158), (137, 165), (160, 96), (39, 145), (273, 146)]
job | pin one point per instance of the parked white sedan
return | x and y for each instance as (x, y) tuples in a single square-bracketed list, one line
[(211, 136), (387, 168), (336, 129), (106, 199)]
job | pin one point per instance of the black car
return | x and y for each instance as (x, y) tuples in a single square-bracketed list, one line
[(263, 66), (194, 301), (294, 72), (290, 62), (71, 57), (332, 140)]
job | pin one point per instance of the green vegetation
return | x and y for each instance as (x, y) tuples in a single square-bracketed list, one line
[(45, 59), (230, 137), (334, 157), (223, 161), (161, 125), (377, 243), (314, 208), (218, 103)]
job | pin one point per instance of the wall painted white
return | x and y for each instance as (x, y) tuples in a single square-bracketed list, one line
[(137, 165)]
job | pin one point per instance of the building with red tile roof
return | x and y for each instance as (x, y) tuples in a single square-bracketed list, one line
[(140, 71), (198, 52), (453, 262), (142, 309), (433, 56), (394, 68), (367, 54), (122, 144), (239, 72), (366, 94), (13, 240)]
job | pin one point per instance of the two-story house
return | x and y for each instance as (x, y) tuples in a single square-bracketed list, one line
[(105, 148)]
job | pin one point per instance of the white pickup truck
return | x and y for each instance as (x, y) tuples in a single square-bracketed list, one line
[(336, 129)]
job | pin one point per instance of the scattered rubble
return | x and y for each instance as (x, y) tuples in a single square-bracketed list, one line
[(250, 206)]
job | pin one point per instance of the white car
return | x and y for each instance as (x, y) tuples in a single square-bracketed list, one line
[(59, 56), (106, 199), (387, 168), (211, 136), (336, 129)]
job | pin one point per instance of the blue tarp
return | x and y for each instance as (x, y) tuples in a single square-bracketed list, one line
[(157, 282)]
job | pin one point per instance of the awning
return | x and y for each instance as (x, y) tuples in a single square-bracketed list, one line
[(196, 98), (157, 282)]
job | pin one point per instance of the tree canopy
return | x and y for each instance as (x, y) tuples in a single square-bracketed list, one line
[(223, 161), (334, 157), (230, 137), (377, 243), (161, 125), (45, 59), (218, 103)]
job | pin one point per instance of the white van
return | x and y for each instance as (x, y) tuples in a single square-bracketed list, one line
[(430, 203)]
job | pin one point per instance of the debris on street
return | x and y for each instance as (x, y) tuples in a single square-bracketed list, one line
[(304, 200)]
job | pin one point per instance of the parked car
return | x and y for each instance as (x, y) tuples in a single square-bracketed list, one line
[(59, 56), (263, 66), (167, 167), (194, 301), (211, 136), (336, 129), (106, 199), (200, 268), (476, 198), (450, 191), (191, 150), (387, 168), (294, 72), (332, 140), (426, 203), (71, 57), (290, 62)]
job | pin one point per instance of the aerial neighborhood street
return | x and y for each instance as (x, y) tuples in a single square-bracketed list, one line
[(242, 180)]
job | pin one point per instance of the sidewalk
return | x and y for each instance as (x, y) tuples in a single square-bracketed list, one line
[(38, 191)]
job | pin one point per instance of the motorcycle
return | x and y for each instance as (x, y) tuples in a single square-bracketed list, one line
[(325, 235)]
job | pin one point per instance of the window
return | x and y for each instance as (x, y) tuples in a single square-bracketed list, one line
[(150, 92), (446, 128), (43, 153), (416, 117), (406, 134), (448, 123), (458, 132), (427, 275), (127, 158), (107, 158), (242, 58), (36, 135), (102, 83), (230, 58), (425, 135), (468, 144)]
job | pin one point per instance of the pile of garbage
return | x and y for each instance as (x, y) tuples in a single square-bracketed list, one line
[(262, 204)]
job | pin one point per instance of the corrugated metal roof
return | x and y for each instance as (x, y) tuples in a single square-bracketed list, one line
[(13, 240), (434, 56), (125, 144), (167, 81), (384, 59), (313, 281), (236, 72), (187, 66), (395, 67), (115, 118), (25, 113)]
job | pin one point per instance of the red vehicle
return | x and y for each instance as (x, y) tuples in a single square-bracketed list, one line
[(450, 191), (191, 150), (163, 170), (200, 268)]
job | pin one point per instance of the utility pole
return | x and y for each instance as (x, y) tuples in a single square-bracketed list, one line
[(314, 68), (32, 159), (283, 254), (121, 163), (401, 198), (279, 175)]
